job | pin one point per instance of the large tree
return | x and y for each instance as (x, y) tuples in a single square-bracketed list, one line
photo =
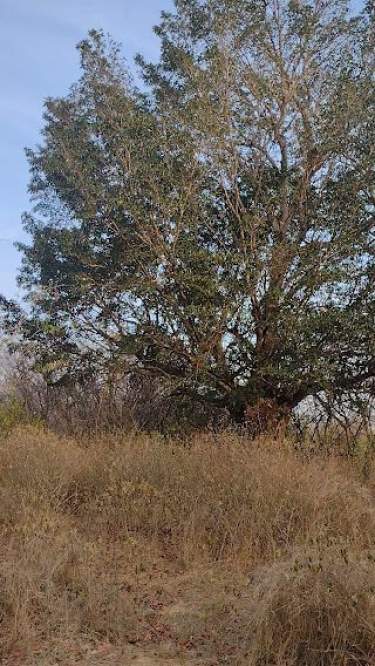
[(215, 226)]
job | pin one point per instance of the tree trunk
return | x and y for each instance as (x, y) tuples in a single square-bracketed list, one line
[(267, 416)]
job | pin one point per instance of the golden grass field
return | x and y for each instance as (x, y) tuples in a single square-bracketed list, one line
[(136, 549)]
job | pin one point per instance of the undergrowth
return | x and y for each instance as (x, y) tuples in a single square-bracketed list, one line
[(215, 550)]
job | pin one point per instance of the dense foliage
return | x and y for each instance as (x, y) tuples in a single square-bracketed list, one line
[(216, 226)]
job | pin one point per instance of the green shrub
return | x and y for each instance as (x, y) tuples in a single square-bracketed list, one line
[(12, 414)]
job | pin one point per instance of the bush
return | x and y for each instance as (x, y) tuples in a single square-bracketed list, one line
[(12, 414)]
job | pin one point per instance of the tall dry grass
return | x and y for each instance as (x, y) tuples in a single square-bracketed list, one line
[(214, 550)]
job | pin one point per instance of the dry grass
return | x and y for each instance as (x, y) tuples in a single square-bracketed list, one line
[(141, 550)]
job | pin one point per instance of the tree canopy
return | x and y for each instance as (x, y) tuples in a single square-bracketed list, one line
[(214, 226)]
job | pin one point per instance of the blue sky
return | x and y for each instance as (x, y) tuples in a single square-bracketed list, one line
[(37, 60)]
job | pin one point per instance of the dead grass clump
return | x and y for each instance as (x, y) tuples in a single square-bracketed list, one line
[(38, 468), (58, 587), (315, 609), (216, 548), (225, 499)]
